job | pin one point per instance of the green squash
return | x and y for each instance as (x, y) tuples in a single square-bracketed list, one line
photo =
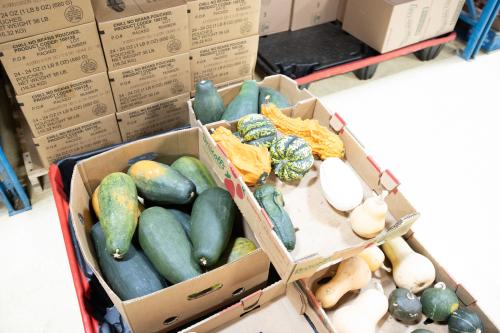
[(439, 302), (239, 248), (292, 158), (405, 306), (255, 129), (247, 102), (465, 321), (421, 330), (197, 172), (208, 105), (275, 97)]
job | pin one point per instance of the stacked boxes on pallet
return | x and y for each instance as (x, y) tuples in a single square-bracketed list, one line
[(58, 76)]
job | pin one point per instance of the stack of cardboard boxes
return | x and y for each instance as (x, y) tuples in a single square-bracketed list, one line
[(52, 55)]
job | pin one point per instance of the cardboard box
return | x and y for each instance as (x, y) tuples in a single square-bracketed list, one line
[(275, 16), (286, 86), (21, 19), (42, 61), (142, 32), (67, 104), (154, 118), (92, 135), (150, 82), (176, 304), (341, 10), (277, 308), (308, 13), (388, 324), (224, 62), (388, 25), (212, 22), (333, 237)]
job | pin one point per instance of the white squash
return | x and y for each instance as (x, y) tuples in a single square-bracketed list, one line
[(341, 186), (361, 315), (352, 274), (410, 270), (368, 219), (374, 257)]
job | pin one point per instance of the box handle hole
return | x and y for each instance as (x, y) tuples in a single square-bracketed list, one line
[(170, 321), (204, 292), (238, 291), (245, 313)]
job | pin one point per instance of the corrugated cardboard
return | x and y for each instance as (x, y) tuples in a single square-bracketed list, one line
[(42, 61), (341, 10), (275, 16), (67, 104), (286, 86), (154, 118), (333, 237), (143, 31), (308, 13), (212, 22), (150, 82), (172, 306), (21, 19), (388, 324), (224, 62), (388, 25), (92, 135)]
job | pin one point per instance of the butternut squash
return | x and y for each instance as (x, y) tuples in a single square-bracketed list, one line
[(374, 257), (368, 219), (352, 274), (323, 142), (252, 162), (361, 315), (410, 270)]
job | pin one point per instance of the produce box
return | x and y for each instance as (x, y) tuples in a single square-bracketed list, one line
[(154, 118), (323, 234), (221, 21), (308, 13), (67, 104), (322, 317), (134, 32), (175, 305), (388, 25), (277, 308), (280, 83), (150, 82), (275, 16), (21, 19), (84, 137), (52, 58), (224, 62)]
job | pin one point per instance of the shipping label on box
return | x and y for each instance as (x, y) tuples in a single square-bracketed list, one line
[(275, 16), (212, 22), (92, 135), (154, 118), (224, 62), (67, 104), (42, 61), (21, 19), (150, 82), (308, 13), (137, 39)]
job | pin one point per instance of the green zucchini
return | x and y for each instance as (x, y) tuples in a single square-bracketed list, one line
[(131, 277), (166, 245), (212, 220), (196, 172), (271, 200)]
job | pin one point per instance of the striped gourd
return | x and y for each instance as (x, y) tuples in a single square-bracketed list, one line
[(257, 130), (291, 157)]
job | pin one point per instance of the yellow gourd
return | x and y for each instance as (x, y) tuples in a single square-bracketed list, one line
[(323, 142), (252, 162), (374, 257), (352, 274)]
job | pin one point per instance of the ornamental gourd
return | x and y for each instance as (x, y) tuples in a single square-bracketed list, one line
[(352, 274), (257, 130), (292, 158), (368, 219), (323, 142), (361, 315), (253, 163), (410, 270)]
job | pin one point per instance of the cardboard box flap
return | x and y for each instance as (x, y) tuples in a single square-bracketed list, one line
[(105, 12)]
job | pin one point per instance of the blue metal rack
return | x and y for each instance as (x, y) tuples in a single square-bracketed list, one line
[(479, 33), (12, 193)]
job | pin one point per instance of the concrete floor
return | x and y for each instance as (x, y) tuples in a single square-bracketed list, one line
[(37, 294)]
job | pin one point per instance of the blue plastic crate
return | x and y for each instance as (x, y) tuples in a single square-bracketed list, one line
[(12, 194)]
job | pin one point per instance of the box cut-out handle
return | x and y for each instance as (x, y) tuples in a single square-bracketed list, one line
[(205, 292)]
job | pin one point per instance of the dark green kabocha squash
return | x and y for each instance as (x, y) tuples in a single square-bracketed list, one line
[(439, 302), (465, 321), (405, 306)]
